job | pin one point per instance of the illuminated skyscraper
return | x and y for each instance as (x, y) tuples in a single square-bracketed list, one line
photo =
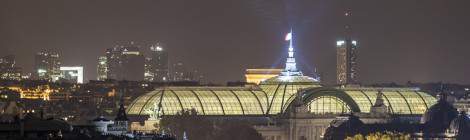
[(346, 55), (125, 63), (158, 64), (47, 65), (8, 70), (102, 68)]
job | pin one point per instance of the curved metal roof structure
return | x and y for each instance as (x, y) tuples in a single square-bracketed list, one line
[(282, 90), (274, 97), (360, 99), (206, 100)]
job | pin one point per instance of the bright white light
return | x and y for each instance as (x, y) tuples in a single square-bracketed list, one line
[(159, 48), (339, 43), (291, 54), (128, 52), (288, 36), (354, 42), (42, 71)]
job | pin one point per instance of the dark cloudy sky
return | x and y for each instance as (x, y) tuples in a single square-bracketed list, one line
[(400, 40)]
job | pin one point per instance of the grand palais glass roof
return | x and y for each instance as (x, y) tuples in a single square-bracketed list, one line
[(274, 96), (360, 99)]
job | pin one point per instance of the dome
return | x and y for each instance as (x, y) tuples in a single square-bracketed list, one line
[(282, 90), (438, 117)]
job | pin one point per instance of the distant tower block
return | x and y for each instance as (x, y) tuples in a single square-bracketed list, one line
[(346, 56), (346, 64)]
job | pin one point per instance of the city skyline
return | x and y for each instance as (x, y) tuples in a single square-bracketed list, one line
[(438, 54), (234, 70)]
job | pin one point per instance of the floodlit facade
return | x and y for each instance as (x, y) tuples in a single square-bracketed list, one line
[(72, 74), (256, 76)]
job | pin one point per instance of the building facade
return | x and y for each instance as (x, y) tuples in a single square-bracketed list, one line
[(72, 74), (346, 62), (8, 70), (289, 106), (125, 63), (47, 65), (157, 64), (102, 68), (179, 72)]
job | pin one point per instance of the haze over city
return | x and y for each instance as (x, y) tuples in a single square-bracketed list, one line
[(399, 41), (234, 70)]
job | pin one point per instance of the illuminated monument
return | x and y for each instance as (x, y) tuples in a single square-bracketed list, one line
[(300, 106), (288, 73), (291, 66)]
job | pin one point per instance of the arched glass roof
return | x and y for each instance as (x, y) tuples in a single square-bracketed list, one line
[(281, 90), (206, 100), (275, 98), (399, 100)]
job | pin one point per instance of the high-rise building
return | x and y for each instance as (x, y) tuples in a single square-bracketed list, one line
[(47, 65), (8, 70), (346, 64), (179, 72), (125, 63), (102, 68), (346, 56), (148, 74), (72, 74), (157, 64), (113, 59)]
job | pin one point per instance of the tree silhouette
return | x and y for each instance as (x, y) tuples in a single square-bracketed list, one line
[(199, 127)]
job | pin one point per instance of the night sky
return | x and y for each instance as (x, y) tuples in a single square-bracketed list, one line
[(399, 40)]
